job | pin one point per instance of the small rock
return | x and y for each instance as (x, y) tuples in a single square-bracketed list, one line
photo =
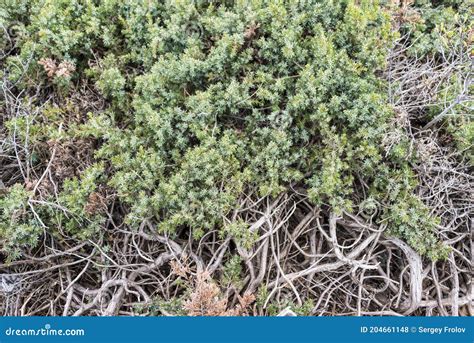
[(287, 313)]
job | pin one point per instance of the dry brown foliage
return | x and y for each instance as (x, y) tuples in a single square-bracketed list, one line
[(63, 69), (96, 203), (206, 297)]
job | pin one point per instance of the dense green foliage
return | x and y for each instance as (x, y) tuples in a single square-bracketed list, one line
[(206, 101)]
